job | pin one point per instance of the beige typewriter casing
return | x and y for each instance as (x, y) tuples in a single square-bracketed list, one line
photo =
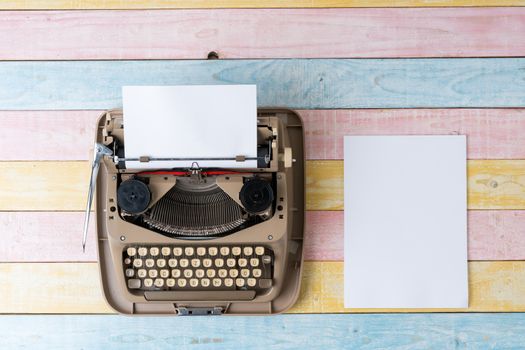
[(283, 233)]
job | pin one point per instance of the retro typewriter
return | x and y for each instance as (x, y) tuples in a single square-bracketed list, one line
[(201, 241)]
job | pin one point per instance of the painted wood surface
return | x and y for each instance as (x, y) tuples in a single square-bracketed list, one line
[(46, 186), (62, 186), (496, 184), (167, 4), (373, 331), (55, 236), (491, 133), (492, 184), (292, 83), (244, 33), (492, 235), (495, 286)]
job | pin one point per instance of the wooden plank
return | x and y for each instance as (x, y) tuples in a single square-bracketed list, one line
[(75, 288), (493, 286), (45, 186), (47, 135), (45, 237), (295, 83), (185, 4), (492, 184), (339, 331), (245, 33), (62, 186), (63, 286), (498, 184), (492, 234), (491, 133)]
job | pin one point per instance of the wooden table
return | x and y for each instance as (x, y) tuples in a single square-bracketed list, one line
[(349, 71)]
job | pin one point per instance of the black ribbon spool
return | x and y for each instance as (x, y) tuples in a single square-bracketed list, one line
[(256, 195), (133, 196)]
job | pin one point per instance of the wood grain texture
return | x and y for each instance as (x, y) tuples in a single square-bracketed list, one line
[(493, 286), (62, 186), (492, 235), (491, 133), (55, 236), (374, 331), (244, 33), (184, 4), (47, 135), (45, 237), (44, 186), (292, 83), (75, 288), (498, 184), (492, 184)]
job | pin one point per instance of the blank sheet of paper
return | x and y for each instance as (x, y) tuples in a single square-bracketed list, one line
[(405, 222), (195, 121)]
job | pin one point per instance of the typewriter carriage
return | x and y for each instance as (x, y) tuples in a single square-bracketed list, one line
[(280, 229)]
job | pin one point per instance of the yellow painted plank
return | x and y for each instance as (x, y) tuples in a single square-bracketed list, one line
[(498, 184), (493, 286), (45, 186), (61, 186), (152, 4), (28, 288), (492, 184), (75, 288)]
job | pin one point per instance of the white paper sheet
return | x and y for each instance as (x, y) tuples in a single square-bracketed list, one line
[(405, 222), (198, 121)]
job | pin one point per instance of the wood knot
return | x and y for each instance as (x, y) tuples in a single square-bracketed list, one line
[(212, 55)]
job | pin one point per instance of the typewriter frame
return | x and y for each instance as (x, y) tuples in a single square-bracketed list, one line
[(283, 233)]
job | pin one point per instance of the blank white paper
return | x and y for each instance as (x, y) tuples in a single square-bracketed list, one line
[(194, 121), (405, 222)]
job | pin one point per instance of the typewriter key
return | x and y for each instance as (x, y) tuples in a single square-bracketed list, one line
[(256, 195), (133, 196)]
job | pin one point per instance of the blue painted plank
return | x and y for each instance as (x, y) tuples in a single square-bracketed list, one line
[(330, 331), (295, 83)]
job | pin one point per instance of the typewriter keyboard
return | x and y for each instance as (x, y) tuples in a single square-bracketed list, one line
[(197, 268)]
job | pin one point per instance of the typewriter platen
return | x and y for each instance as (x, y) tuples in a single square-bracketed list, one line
[(202, 241)]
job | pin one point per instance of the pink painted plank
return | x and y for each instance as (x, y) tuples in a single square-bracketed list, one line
[(47, 135), (45, 236), (492, 133), (492, 235), (56, 236), (263, 33)]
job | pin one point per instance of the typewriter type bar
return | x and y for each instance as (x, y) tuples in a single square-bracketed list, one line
[(201, 241)]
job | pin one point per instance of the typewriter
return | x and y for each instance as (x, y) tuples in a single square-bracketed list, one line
[(201, 241)]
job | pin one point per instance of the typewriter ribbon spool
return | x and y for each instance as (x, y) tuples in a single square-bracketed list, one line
[(256, 195), (133, 196)]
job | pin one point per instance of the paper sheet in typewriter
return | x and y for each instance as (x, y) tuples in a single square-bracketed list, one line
[(199, 121)]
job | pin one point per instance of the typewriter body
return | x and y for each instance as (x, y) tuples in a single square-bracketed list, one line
[(202, 241)]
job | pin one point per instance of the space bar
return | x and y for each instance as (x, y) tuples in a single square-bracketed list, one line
[(216, 295)]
